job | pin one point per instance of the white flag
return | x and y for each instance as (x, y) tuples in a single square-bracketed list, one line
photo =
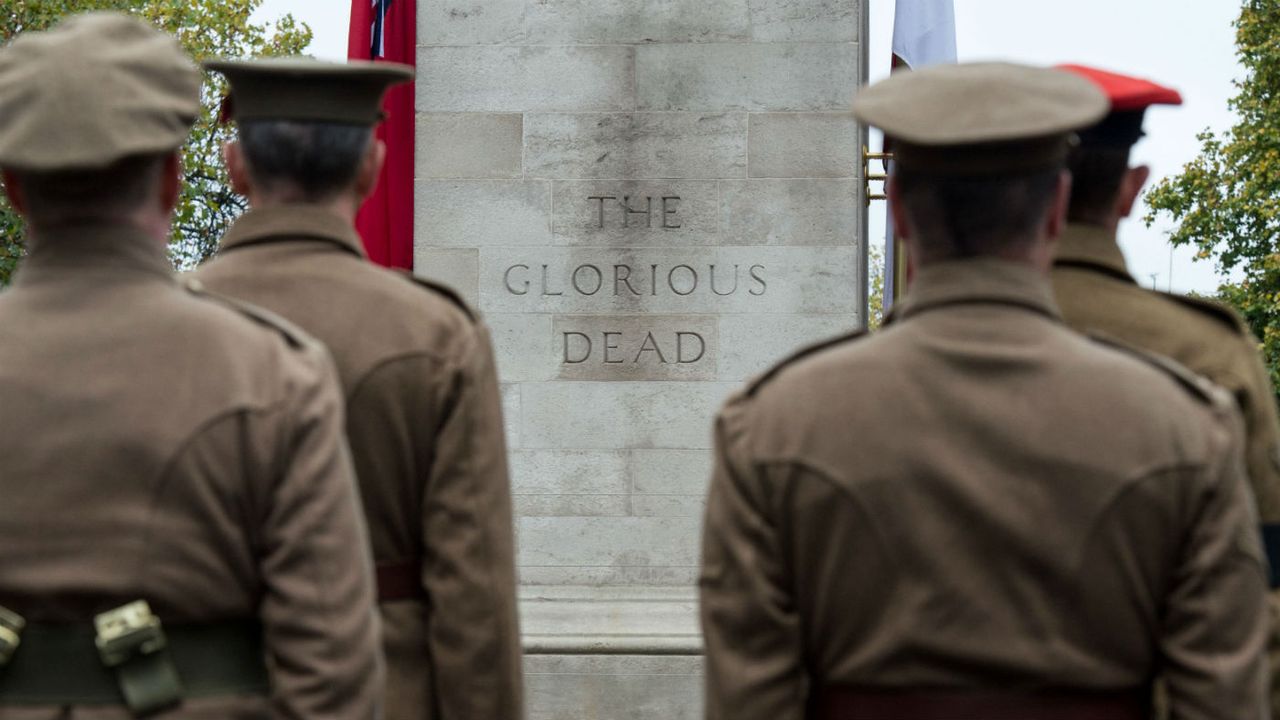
[(924, 32)]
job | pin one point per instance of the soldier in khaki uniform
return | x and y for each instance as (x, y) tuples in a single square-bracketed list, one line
[(976, 512), (1097, 294), (424, 414), (179, 527)]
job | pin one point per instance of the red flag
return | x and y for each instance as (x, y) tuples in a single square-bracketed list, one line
[(387, 30)]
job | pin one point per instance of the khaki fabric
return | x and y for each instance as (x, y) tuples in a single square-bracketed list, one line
[(166, 446), (978, 497), (1097, 294), (425, 422), (94, 89), (309, 90)]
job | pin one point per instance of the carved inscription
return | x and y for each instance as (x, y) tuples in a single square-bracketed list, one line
[(636, 212), (627, 280), (636, 347)]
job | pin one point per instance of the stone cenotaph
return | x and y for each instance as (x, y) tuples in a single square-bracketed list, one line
[(650, 201)]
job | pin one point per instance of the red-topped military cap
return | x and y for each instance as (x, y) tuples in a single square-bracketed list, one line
[(1130, 97)]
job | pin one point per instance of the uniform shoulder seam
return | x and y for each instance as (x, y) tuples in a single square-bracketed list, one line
[(293, 334), (1197, 385), (800, 354), (442, 289), (1212, 308)]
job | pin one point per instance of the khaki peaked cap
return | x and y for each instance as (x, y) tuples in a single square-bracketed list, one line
[(981, 118), (309, 90), (94, 89)]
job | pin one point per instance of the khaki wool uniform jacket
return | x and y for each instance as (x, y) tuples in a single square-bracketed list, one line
[(425, 421), (169, 447), (1097, 295), (977, 497)]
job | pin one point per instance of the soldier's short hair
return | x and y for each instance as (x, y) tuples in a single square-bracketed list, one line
[(970, 216), (1096, 174), (105, 193), (304, 161)]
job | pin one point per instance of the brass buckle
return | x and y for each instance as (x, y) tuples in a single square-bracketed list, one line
[(11, 626), (128, 632)]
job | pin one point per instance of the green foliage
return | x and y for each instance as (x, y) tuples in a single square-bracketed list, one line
[(207, 29), (875, 278), (1226, 202)]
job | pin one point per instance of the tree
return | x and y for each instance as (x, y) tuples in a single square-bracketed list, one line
[(1226, 202), (207, 29)]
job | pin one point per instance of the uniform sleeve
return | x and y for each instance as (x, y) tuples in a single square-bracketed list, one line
[(749, 622), (318, 608), (469, 566), (1216, 623), (1251, 385)]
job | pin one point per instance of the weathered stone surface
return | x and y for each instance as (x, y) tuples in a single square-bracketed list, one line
[(636, 347), (789, 212), (627, 21), (479, 78), (469, 145), (458, 268), (609, 577), (611, 691), (524, 345), (479, 213), (467, 22), (804, 145), (652, 620), (692, 506), (631, 213), (746, 76), (751, 345), (571, 505), (511, 415), (669, 281), (671, 472), (636, 145), (608, 542), (805, 20), (593, 415), (570, 472)]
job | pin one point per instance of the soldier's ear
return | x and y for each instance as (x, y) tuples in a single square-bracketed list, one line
[(13, 189), (370, 169), (237, 171), (171, 182), (1135, 178), (1057, 217)]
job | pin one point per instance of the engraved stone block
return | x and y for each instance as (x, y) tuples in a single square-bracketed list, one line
[(471, 213), (636, 145), (626, 213), (469, 145), (813, 145), (789, 212), (456, 267), (467, 22), (628, 21), (746, 76), (480, 78), (636, 347), (620, 415), (805, 20), (669, 281)]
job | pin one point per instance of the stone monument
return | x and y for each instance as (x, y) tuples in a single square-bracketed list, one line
[(650, 201)]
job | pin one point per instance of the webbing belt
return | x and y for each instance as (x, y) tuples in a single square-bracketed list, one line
[(400, 580), (60, 665), (849, 703)]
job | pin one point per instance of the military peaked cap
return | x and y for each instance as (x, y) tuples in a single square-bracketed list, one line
[(1129, 97), (94, 89), (309, 90), (981, 118)]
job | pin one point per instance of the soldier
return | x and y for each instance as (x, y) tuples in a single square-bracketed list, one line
[(976, 512), (424, 414), (1097, 294), (179, 524)]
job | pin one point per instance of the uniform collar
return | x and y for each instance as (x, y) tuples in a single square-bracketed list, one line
[(1093, 246), (982, 281), (284, 223), (111, 248)]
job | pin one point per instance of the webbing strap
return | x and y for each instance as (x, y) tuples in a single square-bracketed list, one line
[(60, 665), (1271, 543)]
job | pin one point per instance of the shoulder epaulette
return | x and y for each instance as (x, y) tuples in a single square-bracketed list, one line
[(449, 293), (296, 336), (1197, 384), (800, 354), (1214, 309)]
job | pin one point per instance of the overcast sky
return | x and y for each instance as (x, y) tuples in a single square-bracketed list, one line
[(1189, 45)]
